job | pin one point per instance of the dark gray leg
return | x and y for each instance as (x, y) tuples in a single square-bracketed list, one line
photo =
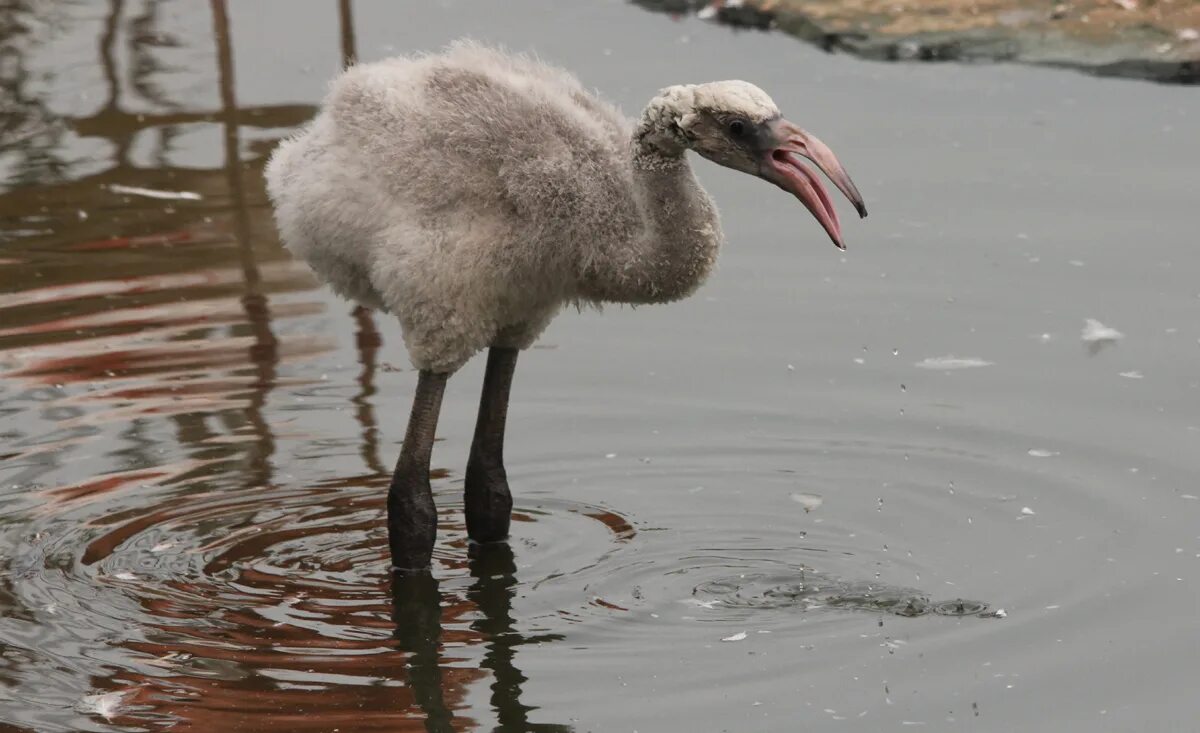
[(488, 500), (412, 517)]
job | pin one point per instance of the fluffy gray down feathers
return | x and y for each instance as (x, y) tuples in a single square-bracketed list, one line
[(472, 193)]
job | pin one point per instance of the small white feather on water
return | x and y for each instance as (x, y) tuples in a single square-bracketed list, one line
[(810, 502), (952, 362), (1095, 332), (154, 193), (1040, 453), (1135, 374), (736, 637), (106, 705)]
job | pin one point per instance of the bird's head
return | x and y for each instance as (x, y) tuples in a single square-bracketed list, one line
[(736, 124)]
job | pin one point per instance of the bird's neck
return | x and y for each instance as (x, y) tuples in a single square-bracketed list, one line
[(676, 245)]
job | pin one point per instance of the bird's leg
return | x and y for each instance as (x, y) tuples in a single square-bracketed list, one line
[(412, 516), (488, 500)]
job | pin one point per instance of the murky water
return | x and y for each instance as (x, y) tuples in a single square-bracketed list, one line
[(779, 505)]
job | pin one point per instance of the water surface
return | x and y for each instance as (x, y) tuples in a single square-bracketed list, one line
[(829, 492)]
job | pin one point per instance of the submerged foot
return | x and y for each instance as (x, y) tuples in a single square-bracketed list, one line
[(488, 502), (412, 524)]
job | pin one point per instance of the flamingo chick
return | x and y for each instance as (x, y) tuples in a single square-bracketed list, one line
[(472, 193)]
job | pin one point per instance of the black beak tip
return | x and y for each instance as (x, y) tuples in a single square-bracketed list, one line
[(862, 210)]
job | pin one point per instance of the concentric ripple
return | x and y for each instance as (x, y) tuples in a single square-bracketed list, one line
[(198, 538), (239, 571), (200, 589)]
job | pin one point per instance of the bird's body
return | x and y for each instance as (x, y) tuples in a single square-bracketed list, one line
[(472, 193)]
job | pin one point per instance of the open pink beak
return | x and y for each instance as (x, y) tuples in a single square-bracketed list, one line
[(788, 143)]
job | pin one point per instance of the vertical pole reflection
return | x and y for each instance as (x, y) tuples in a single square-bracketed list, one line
[(346, 23), (122, 140), (366, 338), (367, 341), (265, 352), (107, 60), (233, 161)]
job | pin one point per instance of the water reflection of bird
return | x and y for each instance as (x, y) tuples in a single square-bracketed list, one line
[(473, 193), (417, 610)]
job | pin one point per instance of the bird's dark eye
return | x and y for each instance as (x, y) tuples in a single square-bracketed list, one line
[(737, 127)]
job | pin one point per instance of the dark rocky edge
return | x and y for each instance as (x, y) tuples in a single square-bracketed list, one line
[(1158, 40)]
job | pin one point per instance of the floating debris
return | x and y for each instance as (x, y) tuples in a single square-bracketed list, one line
[(154, 193), (1027, 511), (810, 502), (1096, 332), (1096, 336), (736, 637), (960, 607), (952, 362), (171, 660), (106, 705), (1039, 453), (1134, 374)]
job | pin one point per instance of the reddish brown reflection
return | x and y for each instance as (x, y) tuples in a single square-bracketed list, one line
[(386, 660), (157, 334)]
